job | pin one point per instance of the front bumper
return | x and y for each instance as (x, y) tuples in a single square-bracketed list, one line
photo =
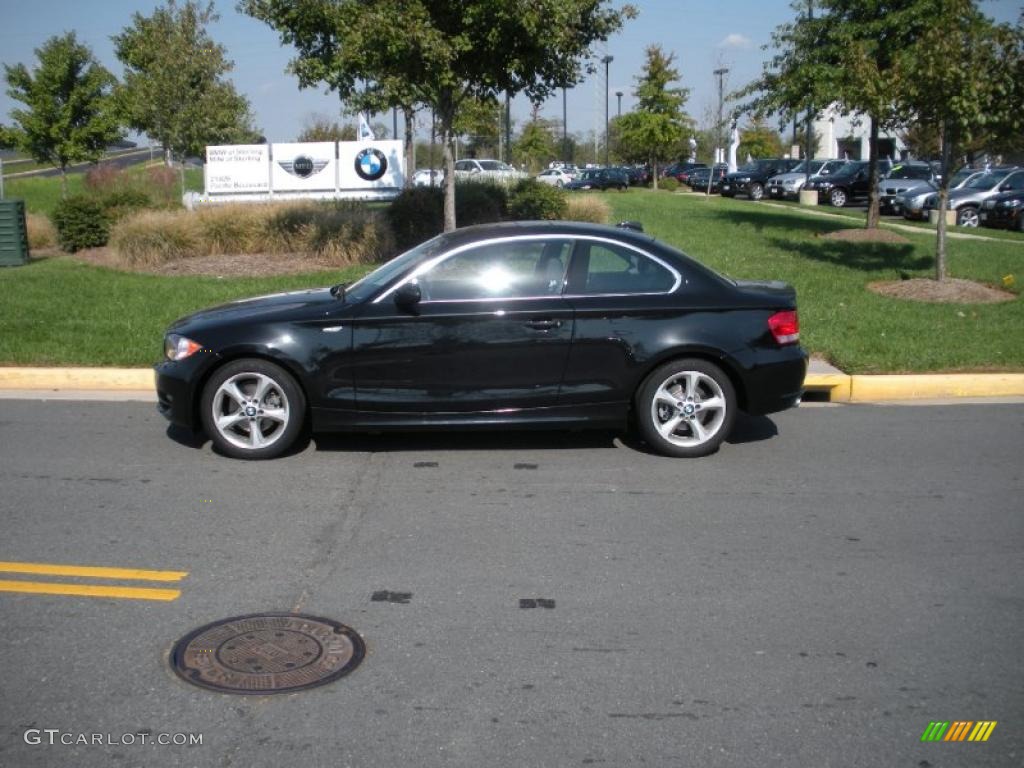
[(1001, 218), (177, 389), (891, 204)]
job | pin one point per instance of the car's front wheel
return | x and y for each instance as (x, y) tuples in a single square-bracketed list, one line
[(967, 216), (756, 191), (686, 408), (838, 198), (252, 409)]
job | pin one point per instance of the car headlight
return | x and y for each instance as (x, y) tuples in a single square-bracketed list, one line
[(788, 183), (825, 185), (179, 347), (744, 180), (1014, 203)]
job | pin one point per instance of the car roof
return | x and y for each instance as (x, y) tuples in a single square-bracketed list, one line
[(566, 228)]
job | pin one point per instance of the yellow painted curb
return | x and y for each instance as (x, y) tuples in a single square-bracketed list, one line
[(837, 384), (874, 388), (77, 378)]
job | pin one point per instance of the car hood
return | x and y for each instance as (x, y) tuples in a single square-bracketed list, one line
[(905, 186), (783, 177), (256, 307)]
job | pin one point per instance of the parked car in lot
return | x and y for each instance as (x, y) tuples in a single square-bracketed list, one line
[(638, 175), (600, 178), (675, 169), (904, 179), (425, 177), (538, 324), (1005, 211), (487, 170), (751, 179), (556, 177), (912, 202), (787, 186), (847, 185), (698, 178), (968, 199)]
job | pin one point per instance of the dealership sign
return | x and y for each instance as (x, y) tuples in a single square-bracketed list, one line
[(345, 169)]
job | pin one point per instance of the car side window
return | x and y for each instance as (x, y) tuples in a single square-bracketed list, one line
[(1015, 182), (506, 270), (615, 270)]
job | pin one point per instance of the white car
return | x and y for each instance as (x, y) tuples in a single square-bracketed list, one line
[(556, 177), (425, 177), (487, 170)]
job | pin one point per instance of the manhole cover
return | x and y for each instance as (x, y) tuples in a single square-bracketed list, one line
[(267, 653)]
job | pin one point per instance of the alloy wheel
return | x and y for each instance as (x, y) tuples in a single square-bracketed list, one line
[(250, 410), (689, 409)]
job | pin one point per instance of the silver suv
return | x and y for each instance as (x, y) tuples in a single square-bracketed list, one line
[(787, 185), (904, 179), (967, 200)]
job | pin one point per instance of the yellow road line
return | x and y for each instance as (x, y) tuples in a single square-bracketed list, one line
[(88, 590), (132, 574)]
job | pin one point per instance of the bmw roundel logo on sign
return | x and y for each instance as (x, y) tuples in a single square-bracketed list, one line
[(371, 164)]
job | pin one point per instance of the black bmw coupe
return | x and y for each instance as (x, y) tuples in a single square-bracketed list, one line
[(538, 324)]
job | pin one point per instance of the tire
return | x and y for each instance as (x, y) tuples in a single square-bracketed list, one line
[(1020, 222), (838, 198), (756, 191), (674, 410), (967, 217), (236, 404)]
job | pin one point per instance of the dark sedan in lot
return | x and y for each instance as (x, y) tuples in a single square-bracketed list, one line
[(600, 178), (707, 179), (752, 178), (846, 185), (1005, 211), (539, 324)]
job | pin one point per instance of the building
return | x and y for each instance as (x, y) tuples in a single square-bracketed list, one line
[(848, 137)]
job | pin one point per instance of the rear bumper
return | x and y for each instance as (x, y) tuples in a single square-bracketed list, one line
[(774, 379)]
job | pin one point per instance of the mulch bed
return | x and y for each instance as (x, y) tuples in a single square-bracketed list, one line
[(949, 291), (235, 265)]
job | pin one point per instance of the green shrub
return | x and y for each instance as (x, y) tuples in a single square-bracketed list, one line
[(532, 200), (416, 215), (669, 184), (82, 222), (479, 202), (118, 203)]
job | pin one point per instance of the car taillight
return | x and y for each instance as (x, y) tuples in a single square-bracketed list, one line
[(785, 326)]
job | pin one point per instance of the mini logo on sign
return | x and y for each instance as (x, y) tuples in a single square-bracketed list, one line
[(371, 164), (303, 166)]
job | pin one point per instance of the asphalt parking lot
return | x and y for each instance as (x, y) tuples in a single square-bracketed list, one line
[(833, 580)]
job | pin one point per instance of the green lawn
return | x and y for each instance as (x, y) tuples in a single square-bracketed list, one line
[(857, 330), (61, 312)]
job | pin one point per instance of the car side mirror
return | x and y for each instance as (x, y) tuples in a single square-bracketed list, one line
[(408, 295)]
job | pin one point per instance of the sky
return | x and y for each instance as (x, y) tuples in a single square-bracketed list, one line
[(703, 34)]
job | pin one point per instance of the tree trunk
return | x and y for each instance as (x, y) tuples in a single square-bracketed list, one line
[(654, 172), (63, 181), (873, 212), (449, 179), (168, 158), (940, 237), (410, 145)]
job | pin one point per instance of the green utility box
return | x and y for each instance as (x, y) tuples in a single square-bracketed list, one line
[(13, 233)]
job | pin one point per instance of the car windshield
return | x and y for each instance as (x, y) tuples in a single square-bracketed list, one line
[(384, 274), (986, 180), (960, 177), (910, 172), (494, 165), (848, 169), (816, 166)]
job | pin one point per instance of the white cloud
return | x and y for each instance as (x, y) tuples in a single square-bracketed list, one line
[(735, 40)]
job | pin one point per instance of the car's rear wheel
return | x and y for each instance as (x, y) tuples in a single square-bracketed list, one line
[(967, 216), (252, 409), (686, 408), (756, 191), (838, 198)]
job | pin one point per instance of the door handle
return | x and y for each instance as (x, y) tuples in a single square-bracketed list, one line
[(544, 325)]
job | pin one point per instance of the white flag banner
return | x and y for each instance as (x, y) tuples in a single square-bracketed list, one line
[(365, 132)]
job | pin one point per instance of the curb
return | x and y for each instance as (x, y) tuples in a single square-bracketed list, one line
[(875, 388), (837, 387)]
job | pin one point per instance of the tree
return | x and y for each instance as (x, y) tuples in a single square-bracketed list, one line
[(174, 81), (961, 76), (537, 145), (759, 139), (320, 128), (70, 114), (439, 53), (653, 132), (846, 54)]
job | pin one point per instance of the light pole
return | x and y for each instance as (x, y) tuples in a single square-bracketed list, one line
[(565, 126), (606, 61), (720, 73), (810, 115), (618, 94)]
